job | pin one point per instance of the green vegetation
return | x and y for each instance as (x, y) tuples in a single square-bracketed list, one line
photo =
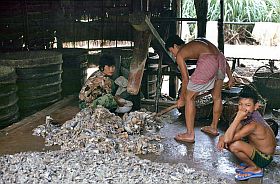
[(238, 11)]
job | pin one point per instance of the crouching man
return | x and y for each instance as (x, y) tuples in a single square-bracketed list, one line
[(257, 151)]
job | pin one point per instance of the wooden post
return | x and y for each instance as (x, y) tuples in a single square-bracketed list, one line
[(172, 86), (141, 22), (221, 27), (159, 81), (142, 40), (201, 7)]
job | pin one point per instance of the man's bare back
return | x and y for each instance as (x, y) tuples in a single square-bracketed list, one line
[(197, 47)]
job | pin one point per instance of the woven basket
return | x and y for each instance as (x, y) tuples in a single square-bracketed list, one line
[(268, 85)]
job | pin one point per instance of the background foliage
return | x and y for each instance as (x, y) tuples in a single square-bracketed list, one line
[(238, 11)]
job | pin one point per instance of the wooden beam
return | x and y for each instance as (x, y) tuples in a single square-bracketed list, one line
[(137, 20), (221, 41), (142, 42), (141, 22), (201, 8), (157, 37)]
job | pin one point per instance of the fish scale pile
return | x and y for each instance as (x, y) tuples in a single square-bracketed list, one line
[(105, 132), (86, 166), (99, 147)]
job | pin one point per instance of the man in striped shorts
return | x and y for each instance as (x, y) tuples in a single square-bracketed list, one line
[(208, 75)]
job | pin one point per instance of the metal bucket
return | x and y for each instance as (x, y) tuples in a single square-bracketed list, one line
[(39, 78), (74, 70), (8, 97)]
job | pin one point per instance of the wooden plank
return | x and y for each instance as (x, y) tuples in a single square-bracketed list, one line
[(141, 22), (137, 66), (137, 20), (157, 37)]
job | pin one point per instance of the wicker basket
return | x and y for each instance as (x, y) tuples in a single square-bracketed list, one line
[(268, 84)]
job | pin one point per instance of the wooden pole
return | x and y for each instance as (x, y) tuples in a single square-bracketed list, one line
[(201, 7), (141, 22), (221, 27), (142, 40)]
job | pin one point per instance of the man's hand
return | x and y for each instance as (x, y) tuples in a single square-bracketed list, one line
[(231, 82), (235, 125), (180, 103), (221, 144), (119, 101)]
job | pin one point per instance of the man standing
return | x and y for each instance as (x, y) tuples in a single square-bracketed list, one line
[(208, 75)]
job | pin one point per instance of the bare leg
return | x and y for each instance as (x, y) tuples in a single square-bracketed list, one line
[(190, 111), (217, 106), (243, 152), (190, 117), (217, 109)]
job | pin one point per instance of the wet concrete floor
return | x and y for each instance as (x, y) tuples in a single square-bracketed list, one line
[(18, 137), (201, 155)]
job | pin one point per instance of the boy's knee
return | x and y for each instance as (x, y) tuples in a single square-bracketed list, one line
[(235, 146)]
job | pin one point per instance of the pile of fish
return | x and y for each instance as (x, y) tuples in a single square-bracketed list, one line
[(99, 147), (86, 166), (206, 100), (104, 132)]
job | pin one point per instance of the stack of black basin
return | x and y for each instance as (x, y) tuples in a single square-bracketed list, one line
[(75, 65), (9, 111), (38, 78)]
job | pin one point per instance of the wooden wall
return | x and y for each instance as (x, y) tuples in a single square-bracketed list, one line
[(25, 24), (34, 24)]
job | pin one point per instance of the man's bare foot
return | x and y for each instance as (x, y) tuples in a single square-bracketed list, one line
[(210, 130), (185, 137), (182, 134)]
